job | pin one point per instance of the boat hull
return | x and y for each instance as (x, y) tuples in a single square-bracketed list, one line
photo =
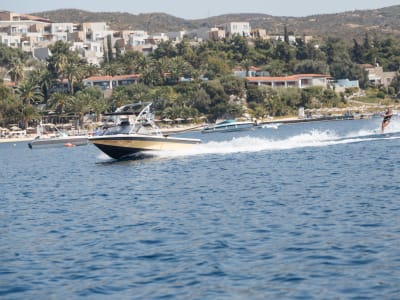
[(59, 142), (120, 146)]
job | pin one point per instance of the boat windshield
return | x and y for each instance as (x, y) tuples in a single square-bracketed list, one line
[(132, 119)]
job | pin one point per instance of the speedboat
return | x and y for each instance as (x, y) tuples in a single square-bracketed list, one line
[(228, 125), (59, 139), (135, 131)]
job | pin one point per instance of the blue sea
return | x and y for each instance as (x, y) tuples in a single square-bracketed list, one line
[(304, 211)]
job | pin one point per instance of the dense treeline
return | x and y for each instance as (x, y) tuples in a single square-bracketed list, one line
[(209, 88)]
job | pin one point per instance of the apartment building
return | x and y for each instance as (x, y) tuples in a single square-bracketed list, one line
[(236, 28)]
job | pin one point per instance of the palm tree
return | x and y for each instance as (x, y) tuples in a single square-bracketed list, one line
[(16, 70), (58, 101), (73, 73), (112, 69), (44, 79), (61, 62), (119, 98), (177, 68), (28, 113), (99, 106), (80, 104), (91, 70), (29, 92)]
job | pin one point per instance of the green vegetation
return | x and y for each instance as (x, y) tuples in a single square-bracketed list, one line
[(208, 90)]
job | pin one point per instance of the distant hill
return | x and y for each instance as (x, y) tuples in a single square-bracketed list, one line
[(347, 25)]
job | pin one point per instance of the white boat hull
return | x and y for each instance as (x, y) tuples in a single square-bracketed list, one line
[(229, 127), (66, 141)]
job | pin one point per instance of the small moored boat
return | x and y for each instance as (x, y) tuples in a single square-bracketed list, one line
[(228, 125), (59, 139)]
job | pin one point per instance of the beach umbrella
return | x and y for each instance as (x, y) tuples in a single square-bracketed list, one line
[(167, 120)]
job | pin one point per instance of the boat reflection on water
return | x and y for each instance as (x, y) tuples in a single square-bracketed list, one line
[(133, 158), (135, 131)]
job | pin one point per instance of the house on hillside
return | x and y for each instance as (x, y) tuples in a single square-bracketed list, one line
[(216, 34), (230, 29), (259, 33), (251, 72), (110, 82), (293, 81), (377, 76)]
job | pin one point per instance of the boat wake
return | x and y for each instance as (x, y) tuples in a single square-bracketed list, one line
[(314, 138)]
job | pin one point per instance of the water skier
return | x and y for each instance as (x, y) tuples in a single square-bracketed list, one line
[(386, 118)]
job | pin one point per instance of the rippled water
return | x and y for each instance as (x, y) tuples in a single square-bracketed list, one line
[(307, 211)]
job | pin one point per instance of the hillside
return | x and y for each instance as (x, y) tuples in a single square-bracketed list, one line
[(347, 25)]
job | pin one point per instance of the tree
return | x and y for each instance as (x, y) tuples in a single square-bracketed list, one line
[(8, 106), (80, 105), (29, 92), (178, 68), (16, 70), (284, 52), (63, 63), (219, 99), (44, 79), (165, 49), (109, 49), (234, 85), (112, 68), (99, 105), (73, 72), (357, 52), (58, 101), (286, 35), (28, 113), (309, 66)]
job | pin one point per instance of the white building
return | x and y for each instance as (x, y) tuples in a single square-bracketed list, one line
[(177, 36), (93, 52), (137, 38), (96, 31), (236, 28), (61, 27), (10, 40)]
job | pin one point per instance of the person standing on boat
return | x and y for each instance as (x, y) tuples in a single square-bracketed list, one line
[(386, 119)]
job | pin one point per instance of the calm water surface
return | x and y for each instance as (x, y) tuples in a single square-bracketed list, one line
[(307, 211)]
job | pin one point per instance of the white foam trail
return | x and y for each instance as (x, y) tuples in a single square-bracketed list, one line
[(314, 138)]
